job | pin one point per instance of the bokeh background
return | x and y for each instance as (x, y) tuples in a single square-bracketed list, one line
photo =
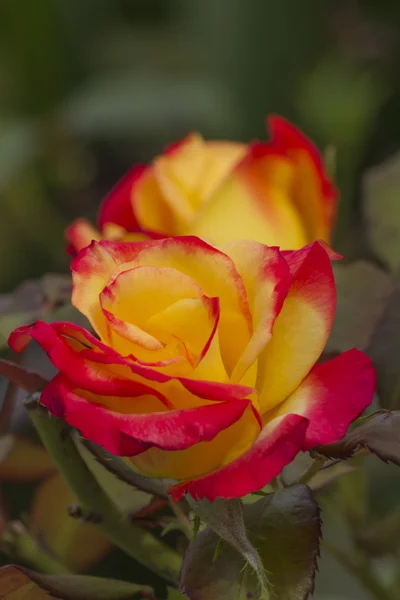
[(89, 87)]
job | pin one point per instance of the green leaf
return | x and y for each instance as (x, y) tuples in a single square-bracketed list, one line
[(19, 583), (382, 210), (285, 529), (362, 293), (47, 298), (378, 434), (368, 318), (225, 517), (384, 349)]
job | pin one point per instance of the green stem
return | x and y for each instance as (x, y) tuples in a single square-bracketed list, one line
[(361, 569), (312, 470), (180, 514), (138, 544), (18, 542)]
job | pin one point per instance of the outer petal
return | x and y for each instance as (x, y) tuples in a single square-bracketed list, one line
[(117, 206), (334, 394), (254, 202), (127, 434), (312, 192), (302, 328), (94, 367), (91, 272), (267, 279), (65, 344), (294, 258), (203, 457), (276, 446), (79, 235)]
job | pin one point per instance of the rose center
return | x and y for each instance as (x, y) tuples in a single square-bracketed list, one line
[(158, 315)]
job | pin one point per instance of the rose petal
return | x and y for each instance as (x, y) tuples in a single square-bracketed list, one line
[(267, 279), (91, 272), (127, 337), (203, 457), (180, 181), (295, 258), (137, 295), (79, 235), (216, 274), (64, 343), (221, 158), (301, 329), (276, 446), (97, 368), (178, 174), (334, 394), (117, 206), (254, 202), (313, 193), (127, 434)]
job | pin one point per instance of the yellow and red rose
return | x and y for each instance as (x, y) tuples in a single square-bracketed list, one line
[(275, 192), (205, 368)]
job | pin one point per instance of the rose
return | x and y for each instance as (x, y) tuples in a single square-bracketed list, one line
[(206, 368), (276, 193)]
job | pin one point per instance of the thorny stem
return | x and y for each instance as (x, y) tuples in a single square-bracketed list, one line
[(180, 514), (138, 544)]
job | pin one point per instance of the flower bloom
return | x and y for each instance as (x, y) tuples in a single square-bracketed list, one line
[(276, 193), (205, 366)]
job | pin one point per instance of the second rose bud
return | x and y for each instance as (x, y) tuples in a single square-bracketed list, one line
[(274, 192)]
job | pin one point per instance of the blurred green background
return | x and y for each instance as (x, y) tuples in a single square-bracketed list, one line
[(89, 88)]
